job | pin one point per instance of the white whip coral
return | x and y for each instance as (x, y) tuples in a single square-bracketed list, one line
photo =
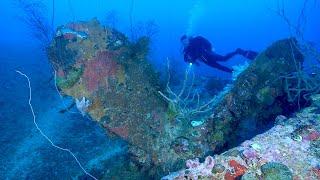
[(44, 135), (187, 103)]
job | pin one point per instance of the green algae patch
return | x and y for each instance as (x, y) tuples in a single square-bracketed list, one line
[(271, 171), (69, 80), (264, 96)]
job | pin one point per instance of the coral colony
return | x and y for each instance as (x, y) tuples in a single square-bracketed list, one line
[(168, 125)]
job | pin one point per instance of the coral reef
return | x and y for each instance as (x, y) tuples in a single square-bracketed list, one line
[(274, 170), (114, 75), (99, 70), (67, 81), (274, 154)]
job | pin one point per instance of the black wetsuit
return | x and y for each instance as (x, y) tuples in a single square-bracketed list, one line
[(200, 48)]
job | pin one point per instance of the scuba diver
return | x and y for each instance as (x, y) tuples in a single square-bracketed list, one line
[(199, 48)]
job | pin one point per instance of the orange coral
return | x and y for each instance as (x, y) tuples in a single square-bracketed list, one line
[(239, 170), (98, 70)]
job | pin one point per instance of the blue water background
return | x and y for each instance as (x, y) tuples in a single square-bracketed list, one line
[(25, 154)]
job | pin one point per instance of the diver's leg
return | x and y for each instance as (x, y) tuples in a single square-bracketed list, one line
[(218, 57), (247, 54), (228, 56), (220, 67), (211, 56)]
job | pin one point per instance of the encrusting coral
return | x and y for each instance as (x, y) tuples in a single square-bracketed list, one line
[(114, 84), (275, 154)]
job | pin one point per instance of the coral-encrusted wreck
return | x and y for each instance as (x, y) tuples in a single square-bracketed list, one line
[(102, 67), (112, 82), (258, 95)]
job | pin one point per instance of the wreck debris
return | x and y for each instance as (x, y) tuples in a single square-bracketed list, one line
[(256, 97)]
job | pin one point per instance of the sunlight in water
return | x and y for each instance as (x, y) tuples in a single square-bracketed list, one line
[(196, 12)]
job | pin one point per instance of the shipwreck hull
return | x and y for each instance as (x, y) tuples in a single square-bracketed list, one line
[(102, 66), (257, 97)]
